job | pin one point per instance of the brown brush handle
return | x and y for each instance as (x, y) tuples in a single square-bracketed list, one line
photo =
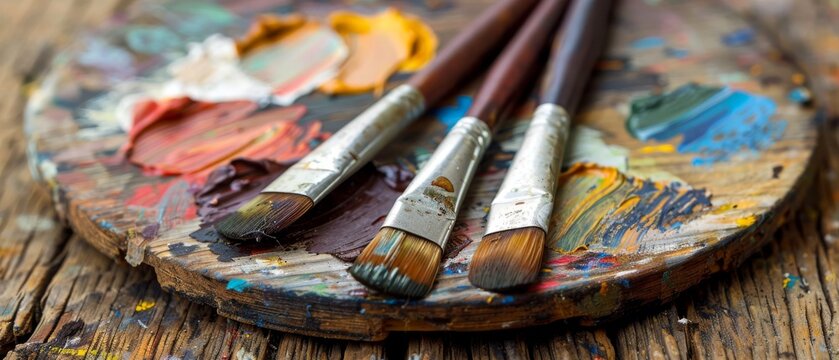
[(464, 53), (577, 47), (508, 76)]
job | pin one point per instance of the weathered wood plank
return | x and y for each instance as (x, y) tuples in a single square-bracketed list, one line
[(806, 248)]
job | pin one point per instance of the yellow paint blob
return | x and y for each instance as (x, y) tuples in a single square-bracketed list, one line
[(83, 353), (663, 148), (379, 46), (746, 221), (144, 305), (724, 208)]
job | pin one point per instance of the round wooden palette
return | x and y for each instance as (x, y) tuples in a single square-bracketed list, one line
[(650, 218)]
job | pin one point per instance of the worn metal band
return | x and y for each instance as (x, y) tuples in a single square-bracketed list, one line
[(351, 147), (428, 207), (526, 196)]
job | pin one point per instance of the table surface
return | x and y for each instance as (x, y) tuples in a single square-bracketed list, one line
[(60, 298)]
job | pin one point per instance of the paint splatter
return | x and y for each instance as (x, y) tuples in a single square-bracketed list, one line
[(651, 42), (293, 54), (186, 137), (600, 207), (739, 37), (455, 268), (776, 171), (715, 123), (238, 285), (746, 221), (790, 281), (587, 261), (179, 249), (800, 95), (449, 115), (379, 46), (144, 305)]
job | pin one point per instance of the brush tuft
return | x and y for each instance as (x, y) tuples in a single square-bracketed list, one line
[(398, 263), (263, 216), (508, 259)]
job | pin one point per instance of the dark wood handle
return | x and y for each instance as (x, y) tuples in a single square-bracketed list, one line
[(469, 48), (509, 75), (576, 49)]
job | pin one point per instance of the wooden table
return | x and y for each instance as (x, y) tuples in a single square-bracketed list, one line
[(59, 297)]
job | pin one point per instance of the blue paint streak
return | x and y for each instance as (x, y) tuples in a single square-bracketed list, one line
[(107, 226), (648, 43), (739, 37), (449, 115), (723, 125), (799, 95), (237, 285)]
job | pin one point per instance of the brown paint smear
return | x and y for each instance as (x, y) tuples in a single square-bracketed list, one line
[(340, 225)]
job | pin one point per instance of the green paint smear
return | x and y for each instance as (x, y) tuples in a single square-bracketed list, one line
[(654, 114)]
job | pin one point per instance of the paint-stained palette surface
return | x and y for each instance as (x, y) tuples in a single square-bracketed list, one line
[(693, 143)]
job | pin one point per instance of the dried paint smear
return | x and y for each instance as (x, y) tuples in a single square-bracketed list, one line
[(599, 206), (186, 137), (715, 123), (293, 54), (379, 46), (210, 72), (341, 225)]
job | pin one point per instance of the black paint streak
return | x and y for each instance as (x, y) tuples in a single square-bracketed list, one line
[(180, 249)]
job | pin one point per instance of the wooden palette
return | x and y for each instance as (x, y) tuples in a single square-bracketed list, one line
[(737, 182)]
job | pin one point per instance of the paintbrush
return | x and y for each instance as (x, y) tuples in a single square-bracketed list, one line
[(404, 256), (308, 181), (510, 253)]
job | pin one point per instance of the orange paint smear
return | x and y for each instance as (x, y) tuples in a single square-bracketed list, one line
[(379, 46), (186, 137), (268, 29)]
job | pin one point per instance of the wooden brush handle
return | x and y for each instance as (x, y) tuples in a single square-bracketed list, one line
[(576, 49), (508, 76), (464, 53)]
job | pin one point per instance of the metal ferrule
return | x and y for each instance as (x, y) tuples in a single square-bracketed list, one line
[(354, 145), (428, 207), (526, 196)]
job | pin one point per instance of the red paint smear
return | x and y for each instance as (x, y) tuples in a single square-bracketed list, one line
[(148, 195), (186, 137), (563, 260), (151, 195)]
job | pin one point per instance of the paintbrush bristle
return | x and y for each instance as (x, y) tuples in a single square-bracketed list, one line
[(398, 263), (508, 259), (265, 215)]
